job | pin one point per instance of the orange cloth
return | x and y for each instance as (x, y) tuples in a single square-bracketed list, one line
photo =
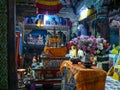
[(51, 40), (57, 52), (86, 78)]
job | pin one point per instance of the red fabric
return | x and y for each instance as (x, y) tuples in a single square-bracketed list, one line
[(42, 9), (54, 7), (17, 47)]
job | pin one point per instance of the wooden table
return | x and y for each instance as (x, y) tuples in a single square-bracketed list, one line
[(20, 73), (85, 78)]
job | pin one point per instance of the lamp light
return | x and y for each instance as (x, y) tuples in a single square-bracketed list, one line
[(83, 13), (46, 18)]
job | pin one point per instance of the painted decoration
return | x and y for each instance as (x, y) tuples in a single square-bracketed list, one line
[(36, 37)]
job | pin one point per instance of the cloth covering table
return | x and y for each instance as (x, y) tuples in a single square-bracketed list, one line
[(56, 52), (85, 78)]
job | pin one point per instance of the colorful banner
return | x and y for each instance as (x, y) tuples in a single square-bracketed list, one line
[(48, 6)]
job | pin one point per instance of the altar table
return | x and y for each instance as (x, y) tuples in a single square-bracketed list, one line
[(56, 52), (85, 78)]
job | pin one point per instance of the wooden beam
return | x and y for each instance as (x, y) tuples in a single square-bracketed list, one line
[(12, 69)]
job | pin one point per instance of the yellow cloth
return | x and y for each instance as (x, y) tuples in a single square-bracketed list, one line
[(111, 71), (116, 75), (114, 71), (115, 50), (57, 52), (86, 79), (119, 62), (52, 40), (48, 2)]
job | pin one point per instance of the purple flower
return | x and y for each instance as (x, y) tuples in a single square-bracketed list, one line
[(78, 46), (89, 43), (84, 48), (78, 37)]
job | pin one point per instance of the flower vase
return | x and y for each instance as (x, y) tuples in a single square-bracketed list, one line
[(102, 58), (87, 63), (87, 56), (103, 62)]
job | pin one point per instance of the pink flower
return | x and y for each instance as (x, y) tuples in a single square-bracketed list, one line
[(89, 43), (84, 48)]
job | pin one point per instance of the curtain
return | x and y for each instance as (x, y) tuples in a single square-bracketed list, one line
[(48, 6), (17, 48)]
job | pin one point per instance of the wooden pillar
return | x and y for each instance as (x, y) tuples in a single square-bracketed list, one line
[(3, 46), (8, 75), (12, 70)]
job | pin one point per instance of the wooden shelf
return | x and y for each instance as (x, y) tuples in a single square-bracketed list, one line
[(45, 69), (55, 58), (47, 27), (45, 82), (34, 46)]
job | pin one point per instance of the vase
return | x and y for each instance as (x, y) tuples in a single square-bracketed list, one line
[(87, 63), (102, 58)]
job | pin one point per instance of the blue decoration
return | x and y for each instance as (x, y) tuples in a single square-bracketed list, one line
[(29, 20)]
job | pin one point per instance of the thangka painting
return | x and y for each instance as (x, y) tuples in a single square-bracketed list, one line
[(36, 37)]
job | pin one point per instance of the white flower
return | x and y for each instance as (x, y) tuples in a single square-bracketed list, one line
[(80, 53), (88, 48), (98, 51), (101, 48), (104, 41)]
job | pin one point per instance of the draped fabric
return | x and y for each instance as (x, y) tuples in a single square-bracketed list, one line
[(55, 52), (85, 78), (48, 6), (17, 47)]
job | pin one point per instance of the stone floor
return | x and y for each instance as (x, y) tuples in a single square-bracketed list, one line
[(110, 84), (48, 87)]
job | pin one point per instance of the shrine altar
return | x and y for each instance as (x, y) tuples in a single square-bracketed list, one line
[(85, 78), (56, 52)]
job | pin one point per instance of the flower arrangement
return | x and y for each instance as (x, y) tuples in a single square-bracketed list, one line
[(90, 44)]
